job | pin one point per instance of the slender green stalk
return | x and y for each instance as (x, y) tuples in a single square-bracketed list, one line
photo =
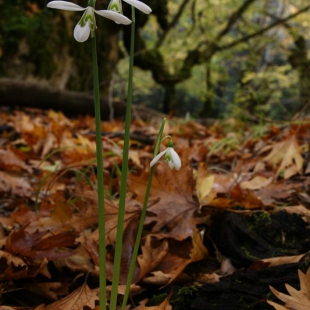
[(102, 250), (122, 199), (142, 218)]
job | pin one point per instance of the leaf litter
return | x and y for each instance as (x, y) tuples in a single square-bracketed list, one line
[(56, 247)]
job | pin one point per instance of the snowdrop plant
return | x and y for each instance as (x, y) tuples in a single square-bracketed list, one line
[(116, 5), (86, 27), (87, 23), (171, 157)]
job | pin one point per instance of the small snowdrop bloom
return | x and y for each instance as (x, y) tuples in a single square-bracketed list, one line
[(87, 22), (171, 157), (116, 5)]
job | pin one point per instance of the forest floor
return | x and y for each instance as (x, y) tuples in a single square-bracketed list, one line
[(226, 231)]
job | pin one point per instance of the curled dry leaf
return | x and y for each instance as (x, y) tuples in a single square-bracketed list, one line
[(276, 261)]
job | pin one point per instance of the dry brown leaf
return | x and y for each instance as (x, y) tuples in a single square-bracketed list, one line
[(39, 245), (276, 261), (179, 255), (297, 300), (16, 185), (77, 300), (10, 161), (286, 157), (13, 267), (152, 255), (172, 207), (257, 182)]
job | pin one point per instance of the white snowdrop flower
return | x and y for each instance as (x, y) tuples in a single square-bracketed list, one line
[(171, 157), (116, 5), (87, 22)]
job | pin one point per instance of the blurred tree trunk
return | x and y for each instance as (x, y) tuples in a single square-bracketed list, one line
[(207, 108), (299, 60), (170, 98)]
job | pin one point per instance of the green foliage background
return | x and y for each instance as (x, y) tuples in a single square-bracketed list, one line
[(253, 80)]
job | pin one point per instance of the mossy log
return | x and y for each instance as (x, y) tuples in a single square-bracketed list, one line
[(15, 92)]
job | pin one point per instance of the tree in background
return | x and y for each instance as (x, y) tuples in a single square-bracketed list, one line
[(226, 53)]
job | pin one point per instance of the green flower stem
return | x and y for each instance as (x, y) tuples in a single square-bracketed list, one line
[(142, 218), (100, 189), (122, 199)]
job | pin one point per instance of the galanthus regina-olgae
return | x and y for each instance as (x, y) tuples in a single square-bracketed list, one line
[(87, 22), (171, 157)]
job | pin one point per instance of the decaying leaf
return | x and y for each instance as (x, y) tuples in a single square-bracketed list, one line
[(297, 300), (77, 300), (13, 267)]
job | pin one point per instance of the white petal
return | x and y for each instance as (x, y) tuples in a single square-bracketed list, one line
[(118, 18), (157, 157), (175, 158), (81, 34), (64, 5), (170, 164), (140, 6)]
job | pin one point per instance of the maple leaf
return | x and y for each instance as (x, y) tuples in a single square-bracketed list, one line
[(297, 300), (77, 300), (286, 157), (172, 209)]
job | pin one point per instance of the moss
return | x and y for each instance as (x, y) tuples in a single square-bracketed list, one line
[(183, 297), (25, 34), (156, 300)]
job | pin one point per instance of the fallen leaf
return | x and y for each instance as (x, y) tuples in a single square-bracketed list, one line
[(171, 205), (297, 300), (10, 161), (15, 185), (77, 300), (257, 182), (286, 157), (204, 186), (276, 261)]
